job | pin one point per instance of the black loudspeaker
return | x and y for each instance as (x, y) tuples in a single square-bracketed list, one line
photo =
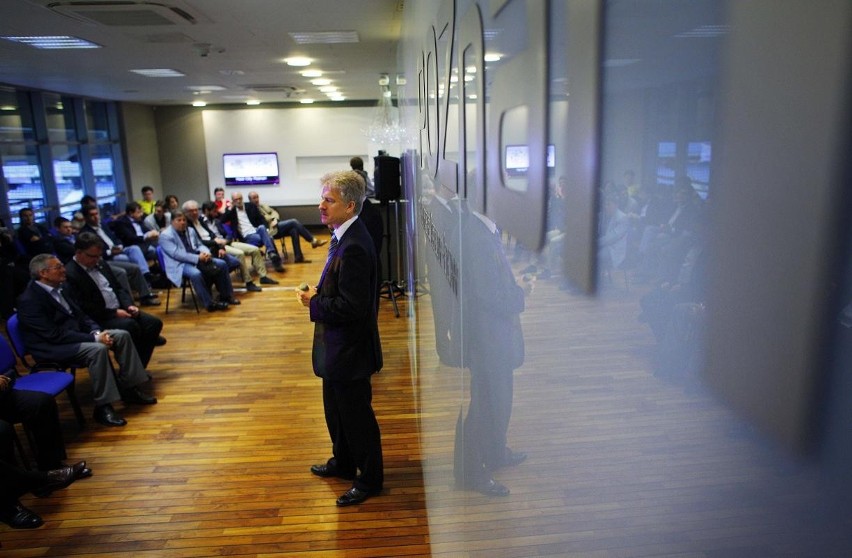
[(386, 177)]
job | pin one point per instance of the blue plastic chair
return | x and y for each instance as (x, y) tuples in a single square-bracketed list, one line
[(48, 377), (185, 284)]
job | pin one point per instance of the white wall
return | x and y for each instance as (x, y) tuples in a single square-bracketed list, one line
[(309, 142)]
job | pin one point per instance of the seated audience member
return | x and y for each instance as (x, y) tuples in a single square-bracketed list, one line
[(147, 201), (131, 231), (127, 273), (77, 221), (114, 250), (159, 219), (357, 165), (55, 329), (186, 256), (97, 291), (15, 481), (14, 274), (172, 203), (223, 204), (38, 412), (288, 227), (248, 226), (217, 249), (34, 237), (612, 242), (243, 250)]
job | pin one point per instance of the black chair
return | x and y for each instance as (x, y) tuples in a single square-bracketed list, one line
[(184, 284)]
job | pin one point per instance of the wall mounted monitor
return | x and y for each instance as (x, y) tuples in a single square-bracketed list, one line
[(251, 169), (517, 159)]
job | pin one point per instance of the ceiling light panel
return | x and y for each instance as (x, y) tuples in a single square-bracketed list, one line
[(53, 42), (324, 37), (158, 72)]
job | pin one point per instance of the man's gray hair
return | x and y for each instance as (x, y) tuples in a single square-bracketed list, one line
[(349, 185), (39, 263)]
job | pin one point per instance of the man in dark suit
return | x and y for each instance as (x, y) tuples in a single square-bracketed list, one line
[(34, 237), (131, 231), (55, 329), (347, 350), (98, 292)]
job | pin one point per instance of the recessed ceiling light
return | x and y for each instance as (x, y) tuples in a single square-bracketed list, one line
[(311, 73), (321, 81), (158, 72), (199, 104), (492, 57), (324, 37), (328, 89), (306, 101), (298, 61), (253, 103), (8, 107), (53, 41), (205, 87)]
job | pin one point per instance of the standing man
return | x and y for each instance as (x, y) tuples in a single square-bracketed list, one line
[(347, 349)]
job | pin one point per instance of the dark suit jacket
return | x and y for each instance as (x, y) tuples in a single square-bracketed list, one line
[(86, 293), (346, 332), (48, 330), (44, 244), (254, 215), (107, 255), (126, 233), (64, 248)]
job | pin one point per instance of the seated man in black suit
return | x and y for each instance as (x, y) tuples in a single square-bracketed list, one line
[(34, 236), (132, 231), (56, 329), (98, 292)]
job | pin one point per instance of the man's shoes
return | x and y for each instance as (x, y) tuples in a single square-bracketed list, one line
[(327, 471), (217, 306), (137, 396), (301, 260), (230, 301), (489, 487), (160, 341), (355, 496), (252, 288), (512, 458), (150, 300), (58, 479), (107, 416), (268, 281), (17, 516), (316, 243)]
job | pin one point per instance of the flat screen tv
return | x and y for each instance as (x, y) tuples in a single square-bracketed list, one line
[(251, 169), (517, 159)]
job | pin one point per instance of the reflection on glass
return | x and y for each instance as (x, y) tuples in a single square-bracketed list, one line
[(60, 118), (15, 116), (23, 178), (97, 122), (67, 173)]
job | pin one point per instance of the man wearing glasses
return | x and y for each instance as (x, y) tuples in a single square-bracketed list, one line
[(55, 329)]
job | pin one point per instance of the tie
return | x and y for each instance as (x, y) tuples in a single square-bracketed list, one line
[(57, 294), (332, 247)]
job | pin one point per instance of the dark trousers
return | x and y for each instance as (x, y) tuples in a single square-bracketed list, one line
[(355, 437), (14, 481), (38, 412), (144, 329)]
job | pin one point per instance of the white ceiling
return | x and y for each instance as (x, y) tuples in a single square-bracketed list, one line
[(238, 45)]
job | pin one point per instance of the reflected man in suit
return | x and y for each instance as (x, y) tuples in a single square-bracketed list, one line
[(347, 350)]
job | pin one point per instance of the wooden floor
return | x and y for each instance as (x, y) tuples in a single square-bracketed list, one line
[(620, 462)]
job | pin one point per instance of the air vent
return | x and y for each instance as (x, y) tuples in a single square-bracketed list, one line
[(124, 14)]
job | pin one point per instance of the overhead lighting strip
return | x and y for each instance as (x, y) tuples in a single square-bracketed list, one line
[(52, 42)]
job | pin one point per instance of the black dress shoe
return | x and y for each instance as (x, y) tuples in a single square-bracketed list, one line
[(217, 306), (107, 416), (160, 341), (355, 496), (512, 458), (231, 301), (81, 470), (17, 516), (327, 471), (150, 301), (136, 395), (268, 281), (58, 479), (489, 487), (252, 288)]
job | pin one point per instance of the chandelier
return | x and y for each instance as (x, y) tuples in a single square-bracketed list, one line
[(385, 128)]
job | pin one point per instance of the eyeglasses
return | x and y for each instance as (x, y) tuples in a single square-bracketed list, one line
[(54, 267), (98, 255)]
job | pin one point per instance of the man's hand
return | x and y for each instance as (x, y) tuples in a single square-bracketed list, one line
[(204, 257), (5, 383), (122, 313), (305, 293), (104, 338)]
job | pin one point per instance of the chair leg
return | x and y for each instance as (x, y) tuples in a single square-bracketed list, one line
[(168, 296), (75, 405)]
